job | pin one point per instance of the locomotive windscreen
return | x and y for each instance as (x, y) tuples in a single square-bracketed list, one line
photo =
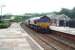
[(44, 19)]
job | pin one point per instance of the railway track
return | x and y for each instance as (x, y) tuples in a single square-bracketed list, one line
[(63, 40), (48, 41)]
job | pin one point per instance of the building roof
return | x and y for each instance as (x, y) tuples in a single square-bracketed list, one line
[(59, 17)]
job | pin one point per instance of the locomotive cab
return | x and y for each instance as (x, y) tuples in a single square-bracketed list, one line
[(44, 22)]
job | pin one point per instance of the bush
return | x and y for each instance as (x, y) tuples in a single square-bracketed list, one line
[(4, 24)]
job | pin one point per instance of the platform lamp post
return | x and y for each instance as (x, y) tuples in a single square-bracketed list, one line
[(1, 11)]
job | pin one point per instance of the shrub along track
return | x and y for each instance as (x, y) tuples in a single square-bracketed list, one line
[(48, 41)]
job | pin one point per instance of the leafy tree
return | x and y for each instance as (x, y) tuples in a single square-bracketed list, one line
[(69, 13)]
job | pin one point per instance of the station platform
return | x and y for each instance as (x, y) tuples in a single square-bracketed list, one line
[(15, 38), (67, 30)]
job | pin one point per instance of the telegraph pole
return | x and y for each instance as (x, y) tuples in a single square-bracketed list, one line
[(1, 11)]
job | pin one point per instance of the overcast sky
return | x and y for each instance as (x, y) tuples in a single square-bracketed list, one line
[(35, 6)]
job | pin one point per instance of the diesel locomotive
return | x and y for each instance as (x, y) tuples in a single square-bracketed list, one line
[(40, 24)]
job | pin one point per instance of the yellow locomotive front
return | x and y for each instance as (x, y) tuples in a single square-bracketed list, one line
[(43, 22)]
